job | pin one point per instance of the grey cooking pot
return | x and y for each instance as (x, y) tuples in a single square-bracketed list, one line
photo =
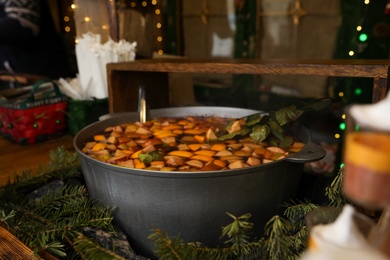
[(191, 205)]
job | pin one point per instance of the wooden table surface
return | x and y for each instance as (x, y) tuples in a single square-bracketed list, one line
[(14, 158)]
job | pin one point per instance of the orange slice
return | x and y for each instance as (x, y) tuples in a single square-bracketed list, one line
[(185, 154), (205, 152), (220, 163), (203, 158), (194, 131), (135, 155), (99, 146), (99, 137), (199, 138), (218, 147), (194, 147)]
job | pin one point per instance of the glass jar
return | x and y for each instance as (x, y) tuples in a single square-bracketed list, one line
[(366, 158)]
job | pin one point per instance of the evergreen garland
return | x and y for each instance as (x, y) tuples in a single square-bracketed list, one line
[(53, 222), (285, 236)]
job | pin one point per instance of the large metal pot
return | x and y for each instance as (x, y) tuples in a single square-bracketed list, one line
[(191, 205)]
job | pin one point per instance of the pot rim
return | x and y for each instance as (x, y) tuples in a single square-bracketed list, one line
[(298, 157)]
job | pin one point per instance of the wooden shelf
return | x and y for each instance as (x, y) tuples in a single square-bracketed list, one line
[(21, 78), (124, 78)]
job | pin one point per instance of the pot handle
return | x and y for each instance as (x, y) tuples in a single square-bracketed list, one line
[(310, 152)]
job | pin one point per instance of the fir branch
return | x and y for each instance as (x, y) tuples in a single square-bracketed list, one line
[(279, 244), (88, 249), (5, 217), (167, 248), (51, 222), (335, 190), (236, 233), (62, 159), (63, 165), (241, 248), (296, 212), (43, 245), (300, 240)]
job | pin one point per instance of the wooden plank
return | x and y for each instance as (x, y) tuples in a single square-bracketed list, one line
[(112, 19), (331, 68), (23, 79), (13, 248), (123, 89), (381, 87), (125, 77)]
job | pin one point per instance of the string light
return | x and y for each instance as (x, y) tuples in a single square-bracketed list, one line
[(133, 4), (67, 27), (363, 37), (152, 7), (159, 37), (358, 91)]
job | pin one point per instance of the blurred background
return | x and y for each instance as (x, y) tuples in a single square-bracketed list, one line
[(247, 29), (259, 29)]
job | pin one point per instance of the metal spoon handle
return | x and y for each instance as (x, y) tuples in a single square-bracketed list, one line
[(142, 106)]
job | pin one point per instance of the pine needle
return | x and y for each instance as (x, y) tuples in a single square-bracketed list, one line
[(335, 190)]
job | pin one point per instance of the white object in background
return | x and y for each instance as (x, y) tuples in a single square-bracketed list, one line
[(374, 116), (92, 59), (83, 58), (71, 88), (222, 47), (340, 240)]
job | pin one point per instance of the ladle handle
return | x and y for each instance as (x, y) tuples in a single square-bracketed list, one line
[(142, 105)]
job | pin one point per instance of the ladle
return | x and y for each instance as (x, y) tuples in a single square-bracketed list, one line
[(142, 105)]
